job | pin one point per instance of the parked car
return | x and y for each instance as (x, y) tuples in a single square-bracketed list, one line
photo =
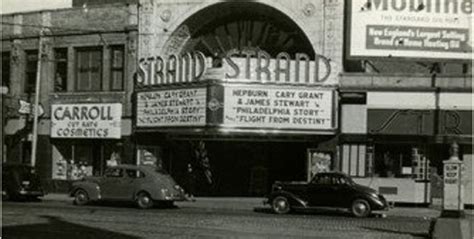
[(332, 189), (20, 182), (144, 185)]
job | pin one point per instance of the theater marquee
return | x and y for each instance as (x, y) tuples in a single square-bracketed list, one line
[(440, 29), (179, 107), (279, 108)]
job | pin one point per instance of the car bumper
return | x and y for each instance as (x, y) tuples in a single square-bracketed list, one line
[(174, 198), (380, 204), (30, 193)]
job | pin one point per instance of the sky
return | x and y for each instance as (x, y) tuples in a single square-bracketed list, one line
[(10, 6)]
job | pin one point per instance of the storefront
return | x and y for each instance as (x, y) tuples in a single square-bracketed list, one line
[(85, 139), (400, 139), (238, 100)]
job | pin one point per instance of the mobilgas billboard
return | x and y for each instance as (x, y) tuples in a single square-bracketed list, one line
[(433, 29)]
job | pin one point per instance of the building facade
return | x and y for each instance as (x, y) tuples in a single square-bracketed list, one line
[(85, 58), (237, 95)]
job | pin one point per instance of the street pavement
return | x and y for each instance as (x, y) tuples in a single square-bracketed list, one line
[(56, 217)]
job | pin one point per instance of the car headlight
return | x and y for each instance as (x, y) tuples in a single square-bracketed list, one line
[(276, 187), (374, 195), (165, 191), (179, 188)]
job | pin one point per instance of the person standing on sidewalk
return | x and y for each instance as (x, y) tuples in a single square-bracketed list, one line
[(190, 183)]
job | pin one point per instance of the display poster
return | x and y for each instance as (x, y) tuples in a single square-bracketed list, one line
[(439, 29), (60, 168), (181, 107), (318, 162), (95, 121), (278, 107), (149, 156)]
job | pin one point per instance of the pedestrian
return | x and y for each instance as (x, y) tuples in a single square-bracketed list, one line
[(113, 161), (190, 183)]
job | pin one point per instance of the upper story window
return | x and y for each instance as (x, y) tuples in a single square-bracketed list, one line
[(60, 71), (31, 68), (88, 69), (6, 69), (116, 68)]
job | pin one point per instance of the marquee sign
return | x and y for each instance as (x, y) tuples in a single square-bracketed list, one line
[(279, 108), (181, 107), (440, 29), (249, 65), (86, 121)]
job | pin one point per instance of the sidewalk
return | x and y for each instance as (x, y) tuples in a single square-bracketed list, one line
[(245, 203)]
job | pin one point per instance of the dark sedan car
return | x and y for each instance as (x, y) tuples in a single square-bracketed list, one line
[(144, 185), (332, 189), (20, 181)]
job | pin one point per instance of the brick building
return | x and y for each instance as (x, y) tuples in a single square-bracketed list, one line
[(88, 57), (252, 92)]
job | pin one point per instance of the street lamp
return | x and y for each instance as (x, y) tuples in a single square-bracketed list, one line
[(34, 142)]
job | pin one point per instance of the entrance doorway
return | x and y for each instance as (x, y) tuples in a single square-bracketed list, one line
[(240, 168)]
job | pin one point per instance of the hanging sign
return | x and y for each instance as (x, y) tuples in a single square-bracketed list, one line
[(28, 108)]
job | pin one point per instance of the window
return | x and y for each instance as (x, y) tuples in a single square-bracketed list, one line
[(116, 68), (60, 75), (89, 69), (30, 70), (393, 160), (135, 173), (114, 173), (322, 179), (83, 156), (6, 69)]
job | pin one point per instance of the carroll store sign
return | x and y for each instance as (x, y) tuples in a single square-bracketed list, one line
[(411, 29), (279, 108), (95, 121)]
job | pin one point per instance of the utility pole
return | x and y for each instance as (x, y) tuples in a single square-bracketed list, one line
[(35, 109)]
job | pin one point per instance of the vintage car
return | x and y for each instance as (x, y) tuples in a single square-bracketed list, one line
[(20, 182), (332, 189), (144, 185)]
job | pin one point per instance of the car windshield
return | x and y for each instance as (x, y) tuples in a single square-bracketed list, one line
[(347, 180), (24, 172), (332, 179)]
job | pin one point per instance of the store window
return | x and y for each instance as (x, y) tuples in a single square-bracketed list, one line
[(31, 69), (116, 68), (6, 69), (60, 74), (83, 159), (400, 161), (74, 160), (89, 69)]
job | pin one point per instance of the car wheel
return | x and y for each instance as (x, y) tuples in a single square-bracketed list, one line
[(281, 205), (144, 201), (360, 208), (81, 197)]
